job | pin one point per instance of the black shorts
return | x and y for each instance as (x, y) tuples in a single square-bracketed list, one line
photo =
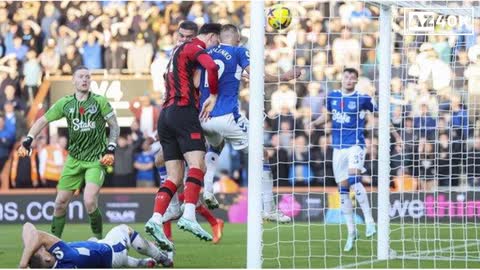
[(180, 132)]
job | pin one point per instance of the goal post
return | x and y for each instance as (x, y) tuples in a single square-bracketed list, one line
[(385, 51), (255, 134)]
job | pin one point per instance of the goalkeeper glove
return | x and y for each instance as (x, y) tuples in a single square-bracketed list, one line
[(108, 157), (26, 148)]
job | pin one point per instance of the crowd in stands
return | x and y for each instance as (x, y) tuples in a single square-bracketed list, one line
[(435, 98)]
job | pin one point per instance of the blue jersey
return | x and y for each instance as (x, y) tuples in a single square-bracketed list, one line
[(348, 117), (231, 61), (85, 254)]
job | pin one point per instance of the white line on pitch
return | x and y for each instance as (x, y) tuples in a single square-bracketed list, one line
[(406, 257)]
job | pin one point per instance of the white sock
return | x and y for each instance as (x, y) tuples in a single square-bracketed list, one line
[(211, 161), (267, 190), (131, 262), (157, 218), (174, 201), (362, 199), (189, 211), (146, 248), (347, 212)]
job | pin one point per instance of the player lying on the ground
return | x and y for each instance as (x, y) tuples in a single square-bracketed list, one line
[(43, 250), (226, 124)]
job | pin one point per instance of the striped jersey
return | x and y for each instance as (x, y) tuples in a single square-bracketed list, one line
[(86, 124)]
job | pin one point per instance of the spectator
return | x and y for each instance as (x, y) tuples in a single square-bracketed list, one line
[(5, 142), (115, 57), (11, 120), (426, 165), (70, 60), (50, 59), (473, 164), (315, 100), (146, 114), (346, 50), (147, 33), (425, 124), (18, 49), (92, 50), (321, 157), (23, 171), (140, 56), (10, 97), (279, 160), (65, 38), (144, 163), (33, 75), (49, 19), (124, 172), (10, 36), (31, 35), (284, 97)]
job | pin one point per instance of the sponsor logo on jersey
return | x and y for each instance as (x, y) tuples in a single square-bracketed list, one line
[(71, 111), (79, 125), (334, 103), (340, 117)]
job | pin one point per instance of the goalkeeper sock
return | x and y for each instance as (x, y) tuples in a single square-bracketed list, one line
[(96, 223), (267, 189), (362, 199), (164, 196), (347, 209), (211, 161), (145, 247), (193, 184), (204, 212), (58, 223)]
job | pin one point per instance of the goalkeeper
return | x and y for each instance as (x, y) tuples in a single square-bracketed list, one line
[(86, 115)]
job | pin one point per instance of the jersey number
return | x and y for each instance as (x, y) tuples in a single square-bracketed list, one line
[(58, 253), (221, 69)]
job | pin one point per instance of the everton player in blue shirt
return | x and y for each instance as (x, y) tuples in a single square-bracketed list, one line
[(226, 124), (43, 250), (347, 109)]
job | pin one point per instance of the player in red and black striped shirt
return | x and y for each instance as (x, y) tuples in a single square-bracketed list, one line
[(181, 134)]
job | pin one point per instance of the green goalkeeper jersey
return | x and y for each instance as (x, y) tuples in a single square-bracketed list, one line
[(86, 124)]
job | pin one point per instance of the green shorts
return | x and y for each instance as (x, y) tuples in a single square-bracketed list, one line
[(76, 172)]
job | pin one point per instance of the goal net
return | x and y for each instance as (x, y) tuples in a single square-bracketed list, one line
[(431, 97)]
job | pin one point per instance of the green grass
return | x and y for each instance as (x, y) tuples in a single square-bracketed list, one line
[(295, 246)]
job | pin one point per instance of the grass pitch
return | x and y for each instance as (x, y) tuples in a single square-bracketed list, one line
[(297, 246)]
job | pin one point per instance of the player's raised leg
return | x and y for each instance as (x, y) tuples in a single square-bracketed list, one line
[(211, 162)]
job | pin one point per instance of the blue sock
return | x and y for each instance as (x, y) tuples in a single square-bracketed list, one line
[(162, 172)]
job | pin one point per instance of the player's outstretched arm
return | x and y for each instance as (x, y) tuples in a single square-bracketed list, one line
[(287, 76), (24, 149), (108, 158), (32, 241)]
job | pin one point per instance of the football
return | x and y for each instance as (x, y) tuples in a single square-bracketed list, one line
[(279, 17)]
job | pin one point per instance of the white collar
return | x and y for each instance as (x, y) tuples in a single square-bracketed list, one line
[(349, 94)]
